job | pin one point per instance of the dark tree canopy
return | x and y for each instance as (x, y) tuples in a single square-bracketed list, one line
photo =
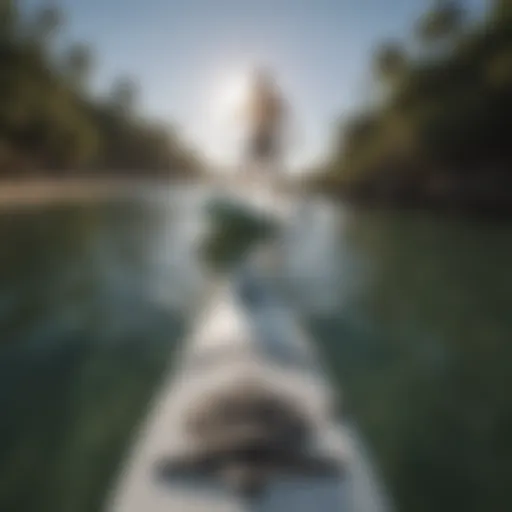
[(443, 21), (443, 127), (50, 123)]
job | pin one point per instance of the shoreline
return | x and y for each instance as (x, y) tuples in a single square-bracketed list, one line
[(25, 192), (490, 199), (37, 191)]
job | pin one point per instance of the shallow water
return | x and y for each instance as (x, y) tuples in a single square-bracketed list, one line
[(411, 311)]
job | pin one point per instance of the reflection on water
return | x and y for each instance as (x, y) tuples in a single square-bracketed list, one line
[(426, 359), (85, 338), (412, 313)]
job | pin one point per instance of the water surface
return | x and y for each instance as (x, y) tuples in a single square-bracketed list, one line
[(411, 311)]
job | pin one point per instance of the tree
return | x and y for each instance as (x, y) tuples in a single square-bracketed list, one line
[(78, 64), (390, 62), (502, 9), (445, 115), (8, 18), (123, 95), (440, 24), (46, 23), (48, 120)]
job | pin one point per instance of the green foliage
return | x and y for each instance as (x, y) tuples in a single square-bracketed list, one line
[(49, 122), (442, 128), (46, 23), (502, 9), (123, 95), (78, 64), (442, 22), (390, 62)]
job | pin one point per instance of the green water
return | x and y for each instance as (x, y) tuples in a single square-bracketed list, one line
[(411, 311)]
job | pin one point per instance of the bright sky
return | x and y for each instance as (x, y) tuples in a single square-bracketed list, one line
[(188, 55)]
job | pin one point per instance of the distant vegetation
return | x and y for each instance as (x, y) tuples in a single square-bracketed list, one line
[(439, 128), (50, 124)]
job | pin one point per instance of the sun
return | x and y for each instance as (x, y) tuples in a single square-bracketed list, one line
[(229, 95), (224, 125)]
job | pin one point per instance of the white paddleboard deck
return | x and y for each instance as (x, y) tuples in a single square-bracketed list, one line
[(226, 329)]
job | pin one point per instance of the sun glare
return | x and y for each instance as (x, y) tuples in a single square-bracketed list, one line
[(229, 94)]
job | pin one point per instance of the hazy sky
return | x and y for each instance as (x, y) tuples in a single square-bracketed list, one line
[(185, 53)]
